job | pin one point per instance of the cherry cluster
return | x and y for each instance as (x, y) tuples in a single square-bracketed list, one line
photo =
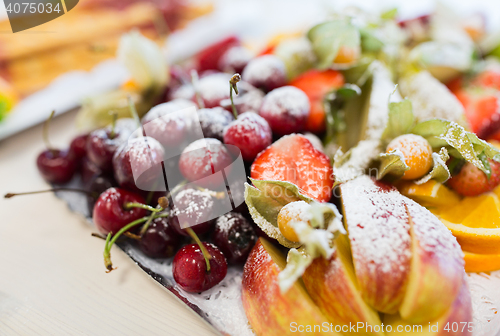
[(163, 223)]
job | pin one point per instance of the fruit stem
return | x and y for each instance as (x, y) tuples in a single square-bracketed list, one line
[(10, 195), (131, 205), (194, 82), (132, 235), (45, 131), (232, 86), (204, 251), (111, 239), (113, 125), (133, 111), (162, 205)]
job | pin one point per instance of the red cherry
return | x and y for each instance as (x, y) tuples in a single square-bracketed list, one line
[(235, 236), (213, 121), (286, 109), (202, 159), (248, 100), (78, 147), (102, 143), (265, 72), (89, 170), (234, 60), (160, 240), (167, 124), (194, 208), (137, 164), (190, 268), (208, 59), (110, 213), (250, 133), (56, 166)]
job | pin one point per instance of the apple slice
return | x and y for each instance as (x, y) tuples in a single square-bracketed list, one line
[(333, 287), (437, 267), (271, 312), (378, 226), (456, 321)]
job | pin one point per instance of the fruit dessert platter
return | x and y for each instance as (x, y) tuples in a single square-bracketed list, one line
[(344, 180)]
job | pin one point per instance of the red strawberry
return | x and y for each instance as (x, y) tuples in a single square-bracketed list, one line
[(471, 181), (481, 110), (294, 159), (489, 79), (316, 84), (208, 58)]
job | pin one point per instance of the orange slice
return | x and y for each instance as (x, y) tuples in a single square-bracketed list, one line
[(481, 262), (475, 222), (430, 193)]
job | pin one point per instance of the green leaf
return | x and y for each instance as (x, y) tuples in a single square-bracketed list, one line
[(401, 120), (440, 171), (327, 38), (460, 143), (297, 263), (297, 55), (334, 103), (265, 200), (486, 164), (392, 163)]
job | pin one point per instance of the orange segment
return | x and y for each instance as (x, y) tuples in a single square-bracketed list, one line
[(430, 193), (481, 262), (485, 215), (460, 211)]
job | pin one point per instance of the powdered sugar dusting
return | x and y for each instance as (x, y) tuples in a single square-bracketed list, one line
[(431, 98), (260, 68), (378, 228), (286, 99), (298, 211), (433, 237)]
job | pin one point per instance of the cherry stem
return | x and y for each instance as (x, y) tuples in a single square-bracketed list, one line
[(111, 239), (113, 125), (133, 111), (132, 235), (204, 251), (46, 130), (232, 87), (194, 81), (131, 205), (98, 235), (10, 195), (162, 204)]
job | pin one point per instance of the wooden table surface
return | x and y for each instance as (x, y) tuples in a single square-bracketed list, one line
[(52, 279)]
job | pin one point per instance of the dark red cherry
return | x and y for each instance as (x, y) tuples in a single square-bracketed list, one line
[(96, 186), (250, 133), (102, 143), (110, 213), (56, 166), (213, 121), (286, 109), (213, 88), (137, 164), (89, 170), (208, 58), (235, 237), (160, 240), (190, 268), (265, 72), (78, 147), (193, 208), (234, 60), (168, 123), (246, 101), (201, 161)]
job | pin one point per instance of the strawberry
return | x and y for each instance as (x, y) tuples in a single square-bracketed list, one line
[(208, 58), (489, 79), (294, 159), (471, 181), (316, 84)]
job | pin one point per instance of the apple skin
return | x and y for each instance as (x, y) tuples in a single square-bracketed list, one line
[(332, 286), (378, 227), (460, 313), (269, 311), (437, 267)]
